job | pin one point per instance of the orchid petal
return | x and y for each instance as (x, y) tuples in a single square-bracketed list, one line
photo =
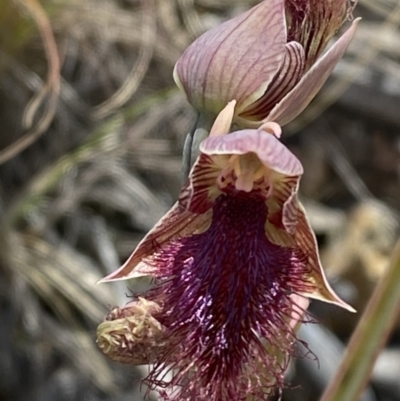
[(177, 223), (313, 23), (223, 122), (287, 77), (211, 74), (285, 169), (271, 152), (282, 206), (201, 191), (302, 94), (305, 240), (271, 128)]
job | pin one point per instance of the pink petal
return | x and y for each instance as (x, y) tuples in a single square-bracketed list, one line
[(314, 22), (271, 128), (235, 59), (201, 190), (287, 77), (223, 122), (283, 204), (302, 94), (285, 168), (305, 240), (177, 223), (271, 152)]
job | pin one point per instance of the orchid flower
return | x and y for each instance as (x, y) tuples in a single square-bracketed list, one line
[(268, 59), (234, 263)]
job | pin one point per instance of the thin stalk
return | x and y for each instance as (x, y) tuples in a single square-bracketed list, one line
[(199, 132), (187, 150), (369, 337)]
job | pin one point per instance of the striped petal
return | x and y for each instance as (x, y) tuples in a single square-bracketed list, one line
[(313, 23), (286, 78), (304, 239), (283, 169), (300, 305), (282, 206), (236, 60), (201, 191), (270, 151), (302, 94), (177, 223)]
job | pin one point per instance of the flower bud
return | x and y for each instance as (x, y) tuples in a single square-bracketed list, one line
[(131, 334)]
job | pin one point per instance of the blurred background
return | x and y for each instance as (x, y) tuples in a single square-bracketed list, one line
[(92, 129)]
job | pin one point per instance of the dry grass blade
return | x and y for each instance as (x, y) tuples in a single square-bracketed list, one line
[(171, 25), (50, 90), (381, 7), (77, 346), (50, 177), (36, 264), (341, 163), (132, 82), (191, 18), (102, 141), (61, 270), (369, 337)]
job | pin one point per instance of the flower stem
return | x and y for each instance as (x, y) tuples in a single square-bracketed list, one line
[(369, 337), (199, 131)]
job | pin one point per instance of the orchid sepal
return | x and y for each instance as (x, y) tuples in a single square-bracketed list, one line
[(264, 59), (310, 84)]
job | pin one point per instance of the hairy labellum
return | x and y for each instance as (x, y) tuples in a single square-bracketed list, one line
[(223, 291)]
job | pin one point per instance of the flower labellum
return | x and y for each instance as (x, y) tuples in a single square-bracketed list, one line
[(234, 263), (267, 59)]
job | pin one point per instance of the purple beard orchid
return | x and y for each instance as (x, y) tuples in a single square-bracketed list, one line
[(234, 263), (267, 59)]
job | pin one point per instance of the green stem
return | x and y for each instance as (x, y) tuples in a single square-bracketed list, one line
[(187, 150), (369, 337), (198, 133)]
